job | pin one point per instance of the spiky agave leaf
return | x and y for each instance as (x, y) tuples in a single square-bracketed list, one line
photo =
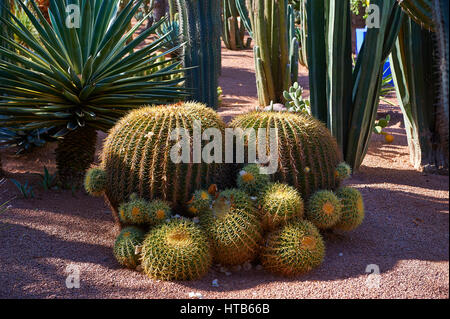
[(81, 77), (421, 11)]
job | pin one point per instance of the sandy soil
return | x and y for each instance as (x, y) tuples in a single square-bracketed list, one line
[(405, 233)]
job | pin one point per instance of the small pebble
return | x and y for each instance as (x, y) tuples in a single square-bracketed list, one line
[(227, 273), (195, 295), (341, 254), (259, 267), (139, 268)]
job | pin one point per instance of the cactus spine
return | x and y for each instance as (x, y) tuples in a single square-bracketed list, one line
[(125, 246), (280, 204), (324, 209), (352, 209), (235, 234), (177, 250), (200, 26), (137, 155), (307, 153), (294, 249)]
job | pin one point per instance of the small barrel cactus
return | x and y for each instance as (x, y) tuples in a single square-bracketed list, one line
[(352, 207), (280, 204), (95, 181), (237, 199), (200, 202), (138, 155), (125, 246), (307, 153), (138, 211), (134, 211), (343, 171), (235, 234), (324, 209), (158, 212), (177, 250), (251, 181), (294, 249)]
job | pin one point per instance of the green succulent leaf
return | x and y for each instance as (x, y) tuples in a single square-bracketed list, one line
[(68, 77)]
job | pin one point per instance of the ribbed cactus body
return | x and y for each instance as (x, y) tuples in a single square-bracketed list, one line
[(237, 199), (251, 181), (125, 246), (307, 153), (280, 204), (137, 155), (177, 250), (95, 181), (200, 202), (293, 249), (235, 234), (352, 209), (201, 27), (324, 209), (343, 171)]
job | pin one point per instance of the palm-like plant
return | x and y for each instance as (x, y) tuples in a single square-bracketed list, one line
[(84, 79)]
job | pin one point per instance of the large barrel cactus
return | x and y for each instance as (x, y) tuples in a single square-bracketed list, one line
[(308, 156), (137, 156)]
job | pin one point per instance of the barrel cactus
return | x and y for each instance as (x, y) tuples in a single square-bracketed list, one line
[(200, 202), (95, 181), (134, 211), (307, 153), (237, 199), (343, 171), (235, 234), (177, 250), (280, 204), (138, 155), (293, 249), (252, 181), (352, 209), (125, 246), (324, 209)]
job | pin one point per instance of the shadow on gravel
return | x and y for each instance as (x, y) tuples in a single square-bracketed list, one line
[(28, 251)]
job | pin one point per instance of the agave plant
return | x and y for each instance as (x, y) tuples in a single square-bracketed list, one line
[(170, 30), (24, 141), (84, 79)]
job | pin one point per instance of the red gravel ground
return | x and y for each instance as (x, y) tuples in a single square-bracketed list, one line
[(405, 232)]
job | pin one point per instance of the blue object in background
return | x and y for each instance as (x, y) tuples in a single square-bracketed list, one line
[(360, 35)]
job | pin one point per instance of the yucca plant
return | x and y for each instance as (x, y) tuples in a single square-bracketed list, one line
[(81, 80)]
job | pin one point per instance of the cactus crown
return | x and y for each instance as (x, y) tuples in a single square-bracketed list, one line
[(137, 155), (307, 153)]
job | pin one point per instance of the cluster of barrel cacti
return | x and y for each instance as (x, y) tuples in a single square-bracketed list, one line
[(276, 219)]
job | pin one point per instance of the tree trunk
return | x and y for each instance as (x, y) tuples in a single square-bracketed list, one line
[(74, 154)]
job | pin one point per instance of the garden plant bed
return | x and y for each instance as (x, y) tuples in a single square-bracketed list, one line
[(405, 231)]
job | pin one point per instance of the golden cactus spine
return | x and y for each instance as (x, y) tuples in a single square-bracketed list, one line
[(307, 153), (137, 155)]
